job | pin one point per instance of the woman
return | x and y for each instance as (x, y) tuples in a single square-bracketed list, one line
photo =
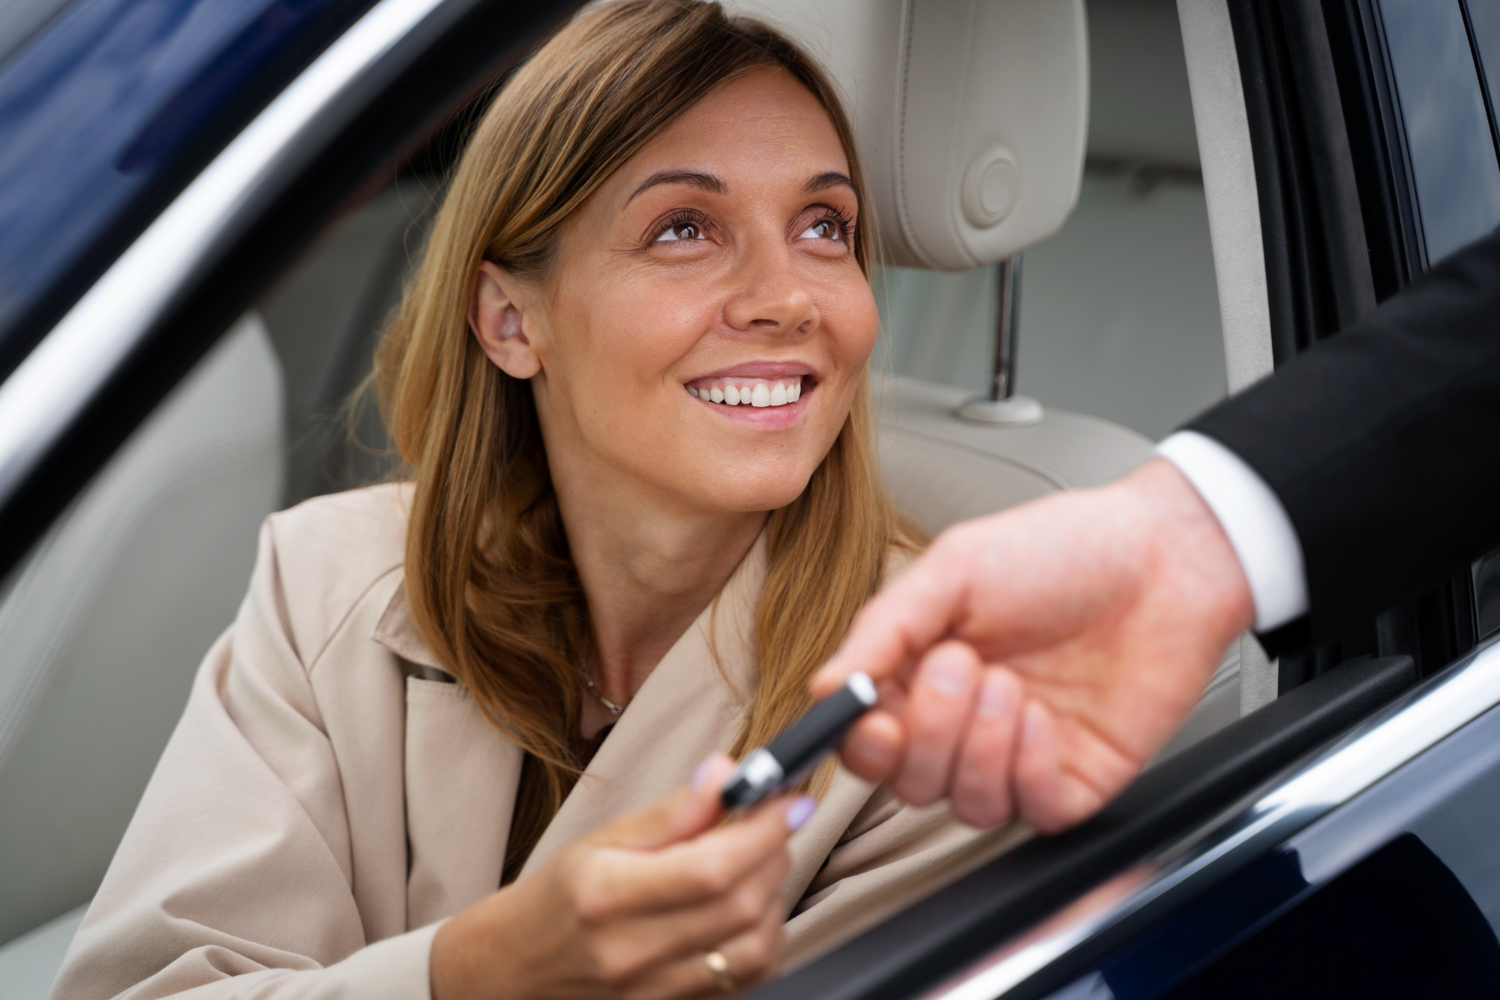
[(630, 381)]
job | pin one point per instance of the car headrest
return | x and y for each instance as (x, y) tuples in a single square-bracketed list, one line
[(971, 115)]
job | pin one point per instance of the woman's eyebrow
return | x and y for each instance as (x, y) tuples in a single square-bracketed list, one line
[(707, 182), (828, 179)]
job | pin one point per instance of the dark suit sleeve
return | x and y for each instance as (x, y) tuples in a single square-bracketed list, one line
[(1383, 444)]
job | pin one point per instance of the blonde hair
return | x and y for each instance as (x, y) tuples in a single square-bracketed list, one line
[(491, 584)]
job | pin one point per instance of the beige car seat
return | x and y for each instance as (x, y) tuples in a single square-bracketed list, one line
[(102, 628)]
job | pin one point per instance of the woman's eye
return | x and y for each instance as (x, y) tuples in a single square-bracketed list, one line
[(681, 231), (823, 229)]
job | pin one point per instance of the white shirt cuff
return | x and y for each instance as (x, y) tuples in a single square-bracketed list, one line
[(1253, 518)]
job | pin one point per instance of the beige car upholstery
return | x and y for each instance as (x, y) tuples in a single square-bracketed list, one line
[(942, 469), (101, 630)]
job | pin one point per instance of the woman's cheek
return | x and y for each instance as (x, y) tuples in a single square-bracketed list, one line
[(857, 321)]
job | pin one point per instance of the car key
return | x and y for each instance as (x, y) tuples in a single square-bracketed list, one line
[(797, 749)]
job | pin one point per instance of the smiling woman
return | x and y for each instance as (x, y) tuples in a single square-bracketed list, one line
[(437, 750)]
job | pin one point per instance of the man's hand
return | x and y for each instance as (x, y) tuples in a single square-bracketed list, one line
[(1032, 661)]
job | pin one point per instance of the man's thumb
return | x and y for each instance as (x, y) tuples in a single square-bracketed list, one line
[(680, 816)]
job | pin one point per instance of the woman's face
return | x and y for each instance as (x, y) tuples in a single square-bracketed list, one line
[(706, 324)]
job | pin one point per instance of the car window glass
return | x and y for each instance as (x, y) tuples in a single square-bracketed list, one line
[(1448, 136), (1487, 596), (21, 19), (108, 101), (1484, 24), (1119, 311), (325, 318)]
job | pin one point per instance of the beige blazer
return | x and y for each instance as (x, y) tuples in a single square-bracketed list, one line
[(331, 795)]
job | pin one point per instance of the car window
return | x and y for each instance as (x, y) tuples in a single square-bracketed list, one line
[(1119, 310), (325, 318), (1484, 29), (1448, 137), (113, 99), (21, 19)]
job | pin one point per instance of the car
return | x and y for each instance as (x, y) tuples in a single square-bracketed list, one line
[(207, 208)]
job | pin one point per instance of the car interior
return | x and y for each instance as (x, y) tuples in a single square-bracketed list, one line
[(1077, 143)]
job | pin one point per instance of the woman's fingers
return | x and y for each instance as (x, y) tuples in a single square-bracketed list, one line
[(982, 776), (683, 814), (692, 872), (745, 961), (937, 716), (660, 938)]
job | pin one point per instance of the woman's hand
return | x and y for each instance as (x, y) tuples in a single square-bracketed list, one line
[(633, 909)]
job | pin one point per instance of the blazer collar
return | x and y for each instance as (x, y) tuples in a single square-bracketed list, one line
[(396, 631)]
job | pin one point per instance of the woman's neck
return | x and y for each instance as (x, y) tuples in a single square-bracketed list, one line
[(648, 569)]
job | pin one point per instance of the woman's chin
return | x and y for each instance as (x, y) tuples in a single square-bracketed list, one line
[(747, 494)]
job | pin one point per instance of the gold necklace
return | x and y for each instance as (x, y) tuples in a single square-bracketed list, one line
[(614, 709)]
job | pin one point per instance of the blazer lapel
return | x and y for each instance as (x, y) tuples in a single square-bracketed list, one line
[(688, 708), (461, 780)]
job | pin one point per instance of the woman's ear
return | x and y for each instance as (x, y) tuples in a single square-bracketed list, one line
[(496, 317)]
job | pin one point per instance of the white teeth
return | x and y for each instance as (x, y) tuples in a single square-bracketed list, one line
[(694, 392), (761, 394)]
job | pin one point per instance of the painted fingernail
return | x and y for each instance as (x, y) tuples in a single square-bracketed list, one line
[(947, 673), (993, 699), (799, 812)]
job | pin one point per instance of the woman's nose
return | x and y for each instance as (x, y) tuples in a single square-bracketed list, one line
[(771, 297)]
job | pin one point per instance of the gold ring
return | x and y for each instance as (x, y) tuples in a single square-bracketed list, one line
[(719, 966)]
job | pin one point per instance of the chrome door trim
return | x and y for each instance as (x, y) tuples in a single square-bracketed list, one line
[(1370, 752), (64, 371)]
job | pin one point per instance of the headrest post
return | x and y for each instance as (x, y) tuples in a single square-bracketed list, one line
[(1007, 321), (1001, 405)]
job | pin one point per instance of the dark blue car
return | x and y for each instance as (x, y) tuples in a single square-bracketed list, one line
[(207, 211)]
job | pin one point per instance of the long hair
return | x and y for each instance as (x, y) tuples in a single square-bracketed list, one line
[(491, 583)]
